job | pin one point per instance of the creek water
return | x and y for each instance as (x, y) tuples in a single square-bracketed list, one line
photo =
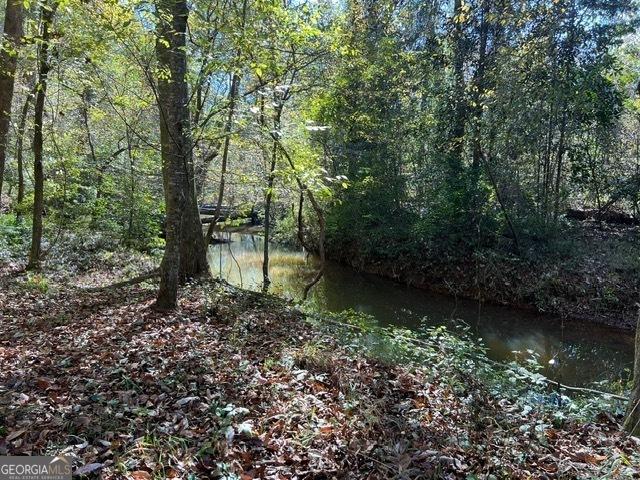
[(574, 353)]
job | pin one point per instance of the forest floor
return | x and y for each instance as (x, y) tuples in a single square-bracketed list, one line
[(236, 385), (591, 272)]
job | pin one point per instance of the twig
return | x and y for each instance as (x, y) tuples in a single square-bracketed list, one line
[(127, 283), (493, 362)]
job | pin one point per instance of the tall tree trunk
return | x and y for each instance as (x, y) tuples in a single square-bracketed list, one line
[(266, 280), (479, 81), (184, 254), (268, 200), (460, 105), (632, 422), (48, 12), (13, 20), (22, 126), (559, 158), (477, 112), (322, 224), (99, 169), (132, 186), (233, 95)]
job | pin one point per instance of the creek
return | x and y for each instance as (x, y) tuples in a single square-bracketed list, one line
[(571, 352)]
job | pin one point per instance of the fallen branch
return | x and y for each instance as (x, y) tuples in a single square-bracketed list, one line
[(127, 283), (426, 343), (587, 390)]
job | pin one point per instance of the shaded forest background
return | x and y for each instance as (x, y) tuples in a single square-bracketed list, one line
[(435, 138)]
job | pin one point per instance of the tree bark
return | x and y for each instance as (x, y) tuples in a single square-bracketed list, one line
[(185, 254), (13, 24), (266, 280), (632, 422), (479, 81), (193, 251), (132, 186), (48, 12)]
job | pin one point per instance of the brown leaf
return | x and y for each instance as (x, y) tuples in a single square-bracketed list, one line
[(172, 473), (140, 475), (590, 458), (43, 383), (14, 435)]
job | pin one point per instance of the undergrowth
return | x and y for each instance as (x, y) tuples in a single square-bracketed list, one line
[(456, 357)]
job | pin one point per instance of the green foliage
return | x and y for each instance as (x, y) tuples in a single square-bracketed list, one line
[(456, 358), (467, 144), (37, 282), (14, 235)]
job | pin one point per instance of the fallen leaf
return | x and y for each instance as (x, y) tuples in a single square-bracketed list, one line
[(14, 435), (43, 383), (184, 401), (87, 469), (140, 475), (591, 458)]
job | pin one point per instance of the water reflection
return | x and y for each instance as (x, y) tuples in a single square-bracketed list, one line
[(580, 353)]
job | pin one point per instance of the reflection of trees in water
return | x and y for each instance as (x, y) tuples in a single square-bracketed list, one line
[(582, 353), (289, 268)]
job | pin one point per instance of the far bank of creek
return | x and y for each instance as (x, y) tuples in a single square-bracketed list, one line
[(571, 352)]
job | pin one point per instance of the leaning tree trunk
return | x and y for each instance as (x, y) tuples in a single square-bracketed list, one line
[(13, 19), (47, 14), (632, 422), (184, 254)]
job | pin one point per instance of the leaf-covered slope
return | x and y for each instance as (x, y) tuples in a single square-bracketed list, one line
[(237, 385)]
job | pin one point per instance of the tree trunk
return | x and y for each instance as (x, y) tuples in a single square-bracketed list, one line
[(460, 105), (322, 224), (184, 254), (193, 251), (632, 422), (20, 147), (47, 14), (132, 186), (559, 158), (266, 281), (13, 20), (233, 95), (99, 169), (479, 81)]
